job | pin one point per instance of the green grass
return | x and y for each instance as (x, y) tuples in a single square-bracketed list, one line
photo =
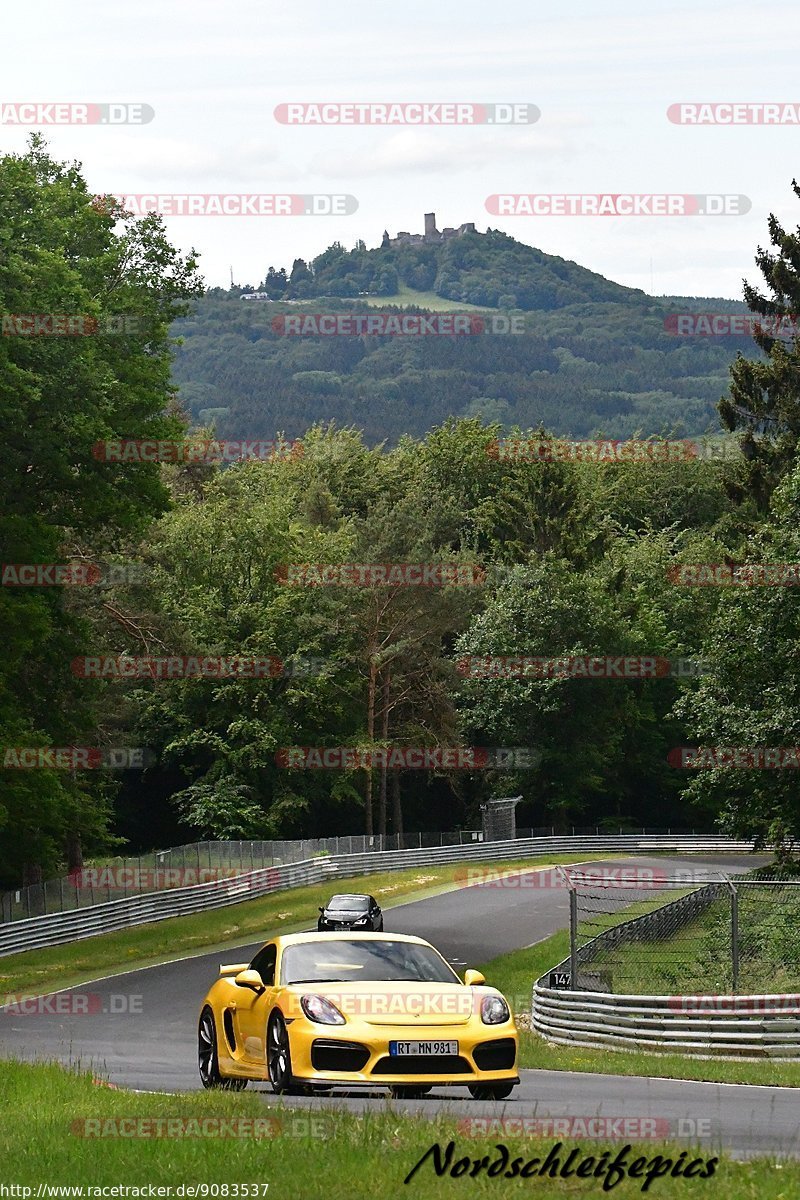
[(769, 950), (305, 1153), (407, 296), (222, 929), (515, 973)]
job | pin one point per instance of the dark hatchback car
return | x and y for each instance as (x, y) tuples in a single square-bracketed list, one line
[(351, 912)]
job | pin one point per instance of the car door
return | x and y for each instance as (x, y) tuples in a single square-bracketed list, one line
[(253, 1008)]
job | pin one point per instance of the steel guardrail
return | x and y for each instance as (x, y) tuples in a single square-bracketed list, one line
[(58, 928)]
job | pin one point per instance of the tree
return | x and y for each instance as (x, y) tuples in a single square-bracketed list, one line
[(301, 280), (65, 254), (764, 400), (275, 284), (751, 698)]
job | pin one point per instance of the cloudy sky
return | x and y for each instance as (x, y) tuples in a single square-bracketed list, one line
[(603, 77)]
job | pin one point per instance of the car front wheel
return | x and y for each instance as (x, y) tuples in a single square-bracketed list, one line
[(279, 1058), (208, 1058)]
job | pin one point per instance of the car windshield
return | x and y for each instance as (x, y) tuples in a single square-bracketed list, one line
[(344, 961), (350, 903)]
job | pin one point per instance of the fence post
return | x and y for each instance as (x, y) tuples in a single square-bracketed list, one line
[(573, 939), (734, 935)]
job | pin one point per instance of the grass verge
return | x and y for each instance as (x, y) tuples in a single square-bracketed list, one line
[(221, 929), (515, 973), (301, 1153)]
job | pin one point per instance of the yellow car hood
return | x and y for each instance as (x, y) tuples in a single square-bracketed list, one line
[(400, 1003)]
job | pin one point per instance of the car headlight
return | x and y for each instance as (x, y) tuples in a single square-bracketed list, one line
[(318, 1009), (494, 1010)]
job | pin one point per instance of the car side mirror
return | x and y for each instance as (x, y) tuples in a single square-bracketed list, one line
[(249, 979), (471, 978), (322, 910)]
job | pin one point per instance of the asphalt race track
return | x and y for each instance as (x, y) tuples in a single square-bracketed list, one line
[(140, 1029)]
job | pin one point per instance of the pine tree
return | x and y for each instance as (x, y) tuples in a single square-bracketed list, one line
[(764, 400)]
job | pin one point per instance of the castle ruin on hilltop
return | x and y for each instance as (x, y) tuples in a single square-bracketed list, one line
[(432, 235)]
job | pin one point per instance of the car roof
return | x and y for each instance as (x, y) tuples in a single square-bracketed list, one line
[(295, 939)]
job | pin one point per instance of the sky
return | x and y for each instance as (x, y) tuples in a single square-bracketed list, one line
[(602, 76)]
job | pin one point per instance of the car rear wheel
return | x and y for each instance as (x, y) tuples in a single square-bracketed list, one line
[(402, 1091), (279, 1058), (490, 1091), (208, 1059)]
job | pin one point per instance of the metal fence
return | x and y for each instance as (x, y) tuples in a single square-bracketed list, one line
[(198, 862), (652, 934), (702, 966), (202, 862), (103, 917)]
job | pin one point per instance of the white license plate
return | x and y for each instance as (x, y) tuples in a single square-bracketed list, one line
[(398, 1049)]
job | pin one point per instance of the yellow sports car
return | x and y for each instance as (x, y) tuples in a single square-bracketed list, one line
[(316, 1011)]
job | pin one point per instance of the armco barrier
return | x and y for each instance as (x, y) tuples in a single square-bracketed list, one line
[(58, 928), (698, 1026), (724, 1026)]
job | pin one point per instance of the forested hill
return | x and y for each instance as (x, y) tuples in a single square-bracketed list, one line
[(488, 269), (595, 356)]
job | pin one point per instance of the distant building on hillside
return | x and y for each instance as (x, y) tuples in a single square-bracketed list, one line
[(431, 236)]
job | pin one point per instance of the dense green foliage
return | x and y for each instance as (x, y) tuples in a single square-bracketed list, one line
[(764, 402), (576, 558), (490, 269), (62, 254), (594, 356)]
